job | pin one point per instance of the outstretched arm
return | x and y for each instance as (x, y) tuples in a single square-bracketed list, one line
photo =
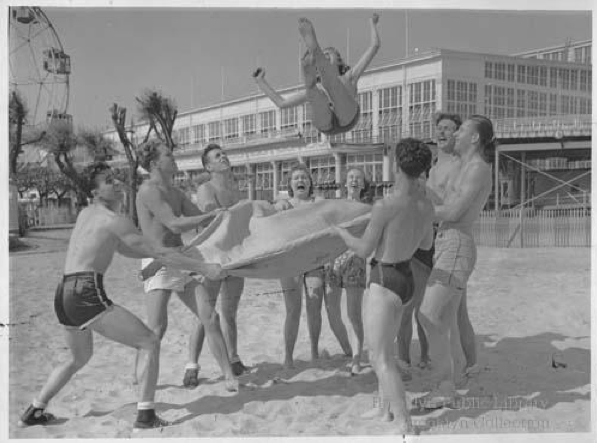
[(357, 70), (134, 245), (365, 245), (279, 101)]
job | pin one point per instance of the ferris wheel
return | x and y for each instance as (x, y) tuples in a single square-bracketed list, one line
[(39, 68)]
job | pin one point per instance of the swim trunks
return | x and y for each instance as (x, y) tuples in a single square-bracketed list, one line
[(455, 258), (347, 271), (166, 278), (397, 277), (80, 299)]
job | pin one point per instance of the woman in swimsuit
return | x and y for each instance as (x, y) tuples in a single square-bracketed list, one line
[(348, 272), (300, 191), (330, 85)]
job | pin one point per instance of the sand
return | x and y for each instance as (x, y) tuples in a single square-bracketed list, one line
[(528, 307)]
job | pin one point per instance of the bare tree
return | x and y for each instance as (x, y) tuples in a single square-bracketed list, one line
[(160, 113), (17, 117)]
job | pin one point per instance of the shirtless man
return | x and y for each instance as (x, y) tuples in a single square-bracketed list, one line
[(400, 224), (83, 307), (446, 166), (221, 191), (164, 213), (455, 252)]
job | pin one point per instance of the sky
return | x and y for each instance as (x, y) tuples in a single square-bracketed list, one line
[(186, 52)]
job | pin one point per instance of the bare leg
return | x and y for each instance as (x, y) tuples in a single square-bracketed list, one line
[(333, 298), (293, 303), (322, 114), (232, 288), (313, 300), (80, 345), (438, 318), (354, 303), (156, 304), (215, 340), (384, 310), (345, 104), (123, 327), (420, 275), (467, 334)]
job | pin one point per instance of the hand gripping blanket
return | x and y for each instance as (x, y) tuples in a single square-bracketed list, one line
[(251, 240)]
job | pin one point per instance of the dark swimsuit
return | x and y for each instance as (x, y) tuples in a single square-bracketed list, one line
[(337, 128), (426, 257), (80, 298), (397, 277)]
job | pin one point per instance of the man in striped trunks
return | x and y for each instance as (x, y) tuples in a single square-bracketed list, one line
[(446, 166), (466, 193), (82, 306)]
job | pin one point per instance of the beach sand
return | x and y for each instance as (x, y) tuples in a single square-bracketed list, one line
[(528, 307)]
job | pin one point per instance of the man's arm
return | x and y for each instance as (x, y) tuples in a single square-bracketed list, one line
[(365, 245), (427, 241), (134, 245), (153, 200), (471, 184)]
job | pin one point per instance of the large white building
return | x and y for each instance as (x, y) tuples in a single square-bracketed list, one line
[(534, 96)]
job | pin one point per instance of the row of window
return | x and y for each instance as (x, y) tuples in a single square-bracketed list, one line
[(580, 55), (561, 78)]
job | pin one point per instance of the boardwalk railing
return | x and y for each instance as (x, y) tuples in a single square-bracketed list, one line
[(534, 228)]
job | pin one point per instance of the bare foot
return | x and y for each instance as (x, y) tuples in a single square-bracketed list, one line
[(308, 33), (355, 368)]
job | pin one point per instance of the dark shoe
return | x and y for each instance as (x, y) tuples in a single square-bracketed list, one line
[(35, 416), (238, 368), (147, 419), (191, 378)]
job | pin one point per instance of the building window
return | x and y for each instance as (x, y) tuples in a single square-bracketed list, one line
[(249, 124), (500, 71), (181, 136), (230, 128), (390, 113), (585, 106), (511, 69), (521, 100), (215, 131), (240, 175), (451, 95), (422, 108), (542, 103), (199, 134), (289, 118), (323, 169), (285, 167), (268, 121), (533, 75), (542, 76), (564, 77), (533, 105), (573, 79), (553, 104), (371, 164), (362, 132), (510, 104), (488, 70), (553, 77), (461, 98), (521, 74), (583, 80)]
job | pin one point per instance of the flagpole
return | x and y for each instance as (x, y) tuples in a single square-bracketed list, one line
[(348, 46), (406, 32)]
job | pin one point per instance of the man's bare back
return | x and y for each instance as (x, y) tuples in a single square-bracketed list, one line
[(408, 227)]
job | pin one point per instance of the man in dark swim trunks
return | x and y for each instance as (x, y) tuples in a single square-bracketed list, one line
[(82, 305), (400, 223)]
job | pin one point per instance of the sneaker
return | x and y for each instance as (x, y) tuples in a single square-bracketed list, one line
[(152, 423), (35, 416), (191, 378), (238, 368)]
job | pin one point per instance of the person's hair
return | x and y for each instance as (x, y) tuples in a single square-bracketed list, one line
[(363, 196), (299, 167), (149, 151), (92, 171), (413, 157), (439, 116), (487, 140), (206, 151), (342, 67)]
